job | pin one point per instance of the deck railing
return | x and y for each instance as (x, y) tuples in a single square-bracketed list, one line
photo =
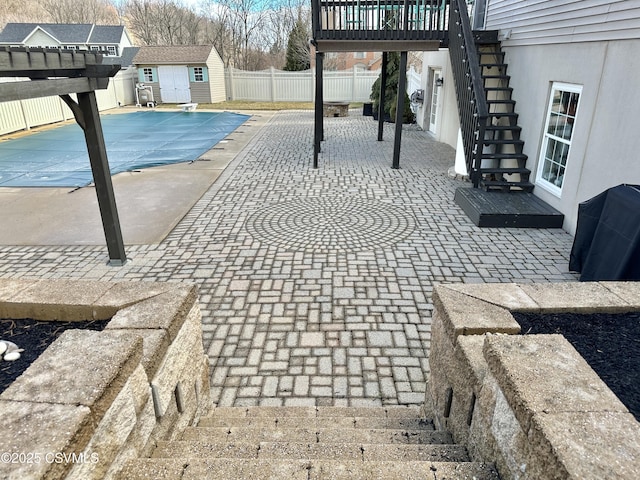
[(472, 101), (380, 19)]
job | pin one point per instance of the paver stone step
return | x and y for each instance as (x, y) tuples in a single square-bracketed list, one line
[(318, 451), (276, 469)]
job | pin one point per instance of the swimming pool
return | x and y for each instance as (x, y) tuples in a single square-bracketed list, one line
[(136, 140)]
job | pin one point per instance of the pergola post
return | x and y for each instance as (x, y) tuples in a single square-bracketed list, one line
[(102, 176), (318, 134), (402, 88)]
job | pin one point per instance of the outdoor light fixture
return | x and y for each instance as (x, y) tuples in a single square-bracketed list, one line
[(439, 81)]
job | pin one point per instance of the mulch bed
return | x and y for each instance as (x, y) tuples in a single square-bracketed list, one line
[(610, 343), (34, 336)]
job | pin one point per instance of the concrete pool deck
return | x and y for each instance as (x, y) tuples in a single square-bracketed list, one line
[(315, 285), (150, 201)]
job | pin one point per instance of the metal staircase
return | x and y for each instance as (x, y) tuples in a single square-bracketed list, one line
[(488, 121), (502, 161)]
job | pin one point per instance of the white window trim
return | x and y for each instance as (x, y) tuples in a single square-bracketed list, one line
[(541, 182)]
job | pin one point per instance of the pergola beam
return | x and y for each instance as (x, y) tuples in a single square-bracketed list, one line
[(25, 90)]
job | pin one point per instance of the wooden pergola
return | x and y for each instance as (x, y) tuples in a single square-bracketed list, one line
[(48, 72)]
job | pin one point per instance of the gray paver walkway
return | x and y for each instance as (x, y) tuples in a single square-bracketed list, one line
[(315, 285)]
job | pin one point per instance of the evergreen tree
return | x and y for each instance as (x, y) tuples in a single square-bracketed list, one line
[(390, 98), (298, 51)]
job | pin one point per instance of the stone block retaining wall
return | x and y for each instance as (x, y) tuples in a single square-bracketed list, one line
[(94, 400), (530, 404)]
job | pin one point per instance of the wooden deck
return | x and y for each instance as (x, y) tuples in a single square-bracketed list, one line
[(379, 25), (513, 209)]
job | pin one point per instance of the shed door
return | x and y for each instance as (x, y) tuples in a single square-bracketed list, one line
[(174, 84)]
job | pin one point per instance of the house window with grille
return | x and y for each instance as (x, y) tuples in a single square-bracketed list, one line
[(198, 74), (111, 50), (558, 134), (147, 74)]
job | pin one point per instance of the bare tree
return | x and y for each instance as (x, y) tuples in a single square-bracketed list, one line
[(81, 11), (164, 22), (282, 17), (246, 22), (216, 29), (141, 16)]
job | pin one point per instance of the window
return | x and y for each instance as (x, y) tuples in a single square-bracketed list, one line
[(359, 55), (198, 74), (558, 133), (111, 50), (147, 75)]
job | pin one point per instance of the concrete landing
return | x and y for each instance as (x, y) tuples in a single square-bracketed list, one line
[(514, 209)]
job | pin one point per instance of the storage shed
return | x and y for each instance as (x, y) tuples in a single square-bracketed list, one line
[(182, 74)]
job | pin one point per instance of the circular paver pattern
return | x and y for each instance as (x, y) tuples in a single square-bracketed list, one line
[(324, 225)]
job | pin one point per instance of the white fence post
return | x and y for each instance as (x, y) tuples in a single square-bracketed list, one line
[(272, 79)]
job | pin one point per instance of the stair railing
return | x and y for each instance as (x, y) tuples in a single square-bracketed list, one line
[(381, 20), (472, 101)]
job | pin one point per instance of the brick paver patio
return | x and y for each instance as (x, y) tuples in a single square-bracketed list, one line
[(315, 285)]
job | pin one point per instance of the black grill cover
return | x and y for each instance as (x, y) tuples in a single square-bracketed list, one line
[(607, 241)]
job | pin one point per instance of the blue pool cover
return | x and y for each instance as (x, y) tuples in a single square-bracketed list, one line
[(58, 157)]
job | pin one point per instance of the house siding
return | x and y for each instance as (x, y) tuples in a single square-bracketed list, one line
[(605, 142), (200, 92), (41, 39), (539, 22), (217, 86)]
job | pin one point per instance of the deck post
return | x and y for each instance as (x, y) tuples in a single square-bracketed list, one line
[(402, 88), (92, 127), (318, 134), (383, 87)]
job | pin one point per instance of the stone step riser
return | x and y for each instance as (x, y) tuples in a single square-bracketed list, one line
[(243, 469), (318, 422), (317, 451), (277, 412), (320, 435)]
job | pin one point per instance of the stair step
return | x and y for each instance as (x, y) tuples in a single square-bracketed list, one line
[(505, 171), (504, 114), (318, 422), (515, 128), (493, 64), (501, 101), (506, 185), (307, 435), (498, 89), (318, 451), (504, 156), (496, 77), (496, 53), (253, 412), (491, 141), (242, 469)]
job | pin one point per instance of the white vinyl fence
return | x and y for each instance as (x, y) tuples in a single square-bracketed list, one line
[(26, 114), (414, 80), (266, 86), (279, 86)]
